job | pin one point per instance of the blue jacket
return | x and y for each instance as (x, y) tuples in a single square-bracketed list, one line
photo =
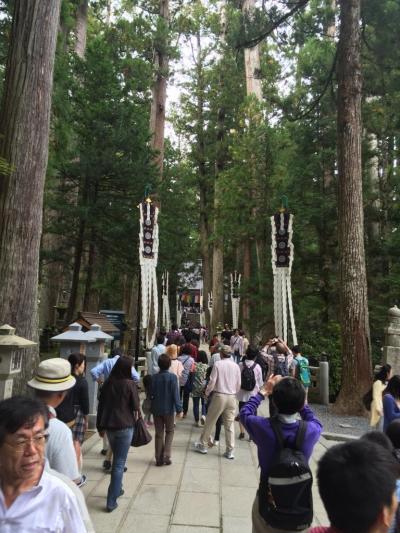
[(390, 410), (165, 394), (104, 369)]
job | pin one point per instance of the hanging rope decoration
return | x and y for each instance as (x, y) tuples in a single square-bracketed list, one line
[(202, 312), (210, 305), (178, 310), (148, 257), (235, 298), (166, 320), (282, 260)]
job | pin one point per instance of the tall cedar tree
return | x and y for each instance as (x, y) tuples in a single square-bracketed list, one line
[(24, 139), (353, 282)]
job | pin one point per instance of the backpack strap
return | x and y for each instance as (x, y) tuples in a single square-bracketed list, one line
[(275, 424), (301, 433)]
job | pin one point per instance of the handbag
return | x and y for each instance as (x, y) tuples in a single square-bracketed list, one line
[(188, 387), (141, 435)]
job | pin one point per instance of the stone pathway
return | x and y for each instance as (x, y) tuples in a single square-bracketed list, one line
[(196, 494)]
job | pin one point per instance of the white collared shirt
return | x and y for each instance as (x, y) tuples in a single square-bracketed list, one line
[(49, 507)]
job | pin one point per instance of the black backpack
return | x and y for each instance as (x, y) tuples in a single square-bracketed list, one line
[(263, 364), (280, 367), (248, 379), (285, 495)]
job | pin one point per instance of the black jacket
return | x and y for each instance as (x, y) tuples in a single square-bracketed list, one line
[(117, 403)]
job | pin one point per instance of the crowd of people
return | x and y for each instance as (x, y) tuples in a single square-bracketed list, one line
[(41, 435)]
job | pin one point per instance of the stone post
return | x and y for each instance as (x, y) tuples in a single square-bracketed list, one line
[(391, 350), (324, 382)]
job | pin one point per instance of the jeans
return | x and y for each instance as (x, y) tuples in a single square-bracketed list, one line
[(196, 405), (185, 400), (218, 426), (120, 441)]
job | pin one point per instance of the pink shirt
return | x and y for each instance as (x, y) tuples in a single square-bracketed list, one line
[(176, 368), (225, 377)]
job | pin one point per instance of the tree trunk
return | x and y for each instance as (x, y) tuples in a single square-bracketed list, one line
[(81, 28), (157, 113), (254, 88), (73, 296), (200, 157), (89, 298), (24, 139), (252, 59), (356, 372), (218, 243)]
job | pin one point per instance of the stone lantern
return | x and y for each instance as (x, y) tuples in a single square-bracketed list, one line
[(391, 350), (10, 358), (73, 340), (94, 354)]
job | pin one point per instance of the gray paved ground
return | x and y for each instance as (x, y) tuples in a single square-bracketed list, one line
[(350, 425), (196, 494)]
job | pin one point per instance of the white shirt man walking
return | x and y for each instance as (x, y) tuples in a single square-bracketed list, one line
[(224, 384)]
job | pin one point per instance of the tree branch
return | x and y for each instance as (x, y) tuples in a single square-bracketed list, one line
[(253, 42), (321, 95)]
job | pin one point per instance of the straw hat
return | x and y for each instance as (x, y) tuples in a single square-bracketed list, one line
[(225, 349), (53, 375)]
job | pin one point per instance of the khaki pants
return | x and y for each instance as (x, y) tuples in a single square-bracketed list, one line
[(224, 404), (260, 525), (164, 424)]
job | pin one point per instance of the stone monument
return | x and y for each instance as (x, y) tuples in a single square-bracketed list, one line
[(94, 354), (73, 340), (10, 358), (391, 350)]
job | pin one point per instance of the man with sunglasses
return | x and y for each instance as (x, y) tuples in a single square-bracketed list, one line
[(31, 499)]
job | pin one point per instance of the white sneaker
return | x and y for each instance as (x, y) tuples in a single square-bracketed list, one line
[(198, 447), (229, 455), (202, 420)]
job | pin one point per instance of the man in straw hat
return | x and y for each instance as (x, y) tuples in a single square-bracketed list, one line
[(51, 383)]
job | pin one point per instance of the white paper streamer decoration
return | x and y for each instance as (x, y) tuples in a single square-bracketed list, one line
[(235, 298), (282, 260), (148, 258), (165, 320)]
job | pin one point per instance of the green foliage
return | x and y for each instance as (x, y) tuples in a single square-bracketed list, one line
[(100, 160)]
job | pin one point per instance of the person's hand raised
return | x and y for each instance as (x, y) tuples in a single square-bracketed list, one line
[(269, 384)]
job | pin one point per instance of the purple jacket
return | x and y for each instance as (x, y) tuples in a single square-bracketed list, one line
[(261, 432)]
